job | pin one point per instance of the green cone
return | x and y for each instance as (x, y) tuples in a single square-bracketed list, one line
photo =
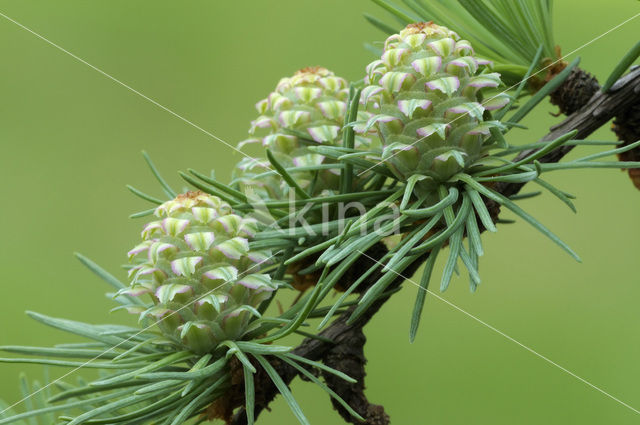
[(195, 265), (424, 92), (307, 109)]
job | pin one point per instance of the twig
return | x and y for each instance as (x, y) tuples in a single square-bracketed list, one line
[(598, 111)]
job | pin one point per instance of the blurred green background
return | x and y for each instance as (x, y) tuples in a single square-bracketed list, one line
[(70, 140)]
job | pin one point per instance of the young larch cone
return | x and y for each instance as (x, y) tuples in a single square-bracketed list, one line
[(196, 266), (304, 110), (425, 93)]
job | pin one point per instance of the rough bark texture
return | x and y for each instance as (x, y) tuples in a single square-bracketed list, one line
[(348, 356), (576, 91), (601, 108), (627, 128), (346, 351)]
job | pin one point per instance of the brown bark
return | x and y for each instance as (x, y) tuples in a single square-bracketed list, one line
[(627, 128), (601, 108), (576, 91)]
